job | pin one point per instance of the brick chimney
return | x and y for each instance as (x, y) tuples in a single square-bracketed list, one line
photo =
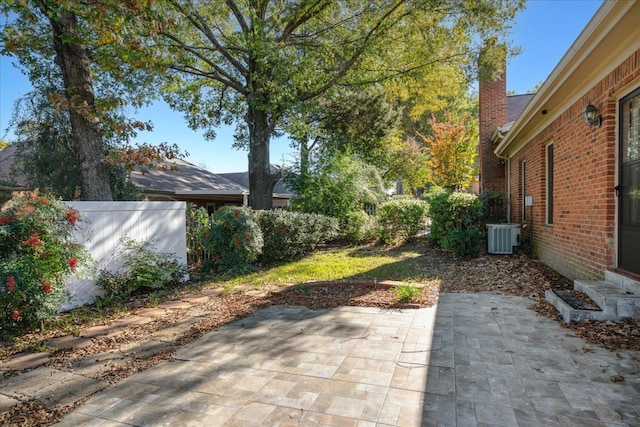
[(493, 113)]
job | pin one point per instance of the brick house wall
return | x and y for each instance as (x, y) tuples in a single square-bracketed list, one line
[(581, 242), (493, 113)]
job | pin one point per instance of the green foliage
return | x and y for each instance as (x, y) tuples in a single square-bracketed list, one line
[(359, 227), (405, 293), (46, 156), (401, 218), (451, 151), (197, 228), (291, 235), (344, 120), (234, 239), (143, 268), (37, 254), (493, 206), (455, 221), (439, 214), (304, 288), (344, 184), (273, 58)]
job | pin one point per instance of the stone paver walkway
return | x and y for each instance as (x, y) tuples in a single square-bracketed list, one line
[(471, 360)]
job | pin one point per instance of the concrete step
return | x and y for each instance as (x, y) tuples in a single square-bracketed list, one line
[(623, 282), (617, 296), (617, 303), (570, 314)]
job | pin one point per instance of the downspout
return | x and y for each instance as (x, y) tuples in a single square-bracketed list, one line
[(507, 161)]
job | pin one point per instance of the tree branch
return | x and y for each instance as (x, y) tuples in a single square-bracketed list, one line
[(199, 23), (344, 68), (312, 11), (220, 74), (238, 15)]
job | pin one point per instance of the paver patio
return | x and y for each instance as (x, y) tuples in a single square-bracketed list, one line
[(474, 359)]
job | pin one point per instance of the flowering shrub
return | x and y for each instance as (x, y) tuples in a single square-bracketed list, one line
[(37, 255), (234, 239)]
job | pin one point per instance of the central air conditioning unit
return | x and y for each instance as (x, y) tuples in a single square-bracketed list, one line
[(501, 238)]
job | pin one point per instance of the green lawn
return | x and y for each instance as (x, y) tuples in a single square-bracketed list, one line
[(335, 264)]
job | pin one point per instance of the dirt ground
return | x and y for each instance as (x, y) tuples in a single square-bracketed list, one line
[(508, 275)]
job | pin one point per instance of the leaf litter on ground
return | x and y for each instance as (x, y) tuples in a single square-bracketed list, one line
[(433, 268)]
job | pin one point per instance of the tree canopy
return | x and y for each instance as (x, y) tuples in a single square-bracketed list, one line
[(451, 152), (82, 69), (249, 62), (253, 62)]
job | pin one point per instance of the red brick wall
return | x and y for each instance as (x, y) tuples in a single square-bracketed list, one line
[(493, 113), (581, 241)]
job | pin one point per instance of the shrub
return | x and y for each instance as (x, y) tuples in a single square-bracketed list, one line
[(341, 185), (37, 254), (291, 235), (143, 268), (401, 218), (359, 227), (234, 239), (455, 221), (493, 206), (439, 213), (197, 227)]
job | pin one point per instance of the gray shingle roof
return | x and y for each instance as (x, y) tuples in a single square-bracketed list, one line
[(10, 178), (242, 178), (516, 105), (187, 178)]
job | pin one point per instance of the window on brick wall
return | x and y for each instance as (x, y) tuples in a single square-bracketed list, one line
[(549, 177), (523, 188)]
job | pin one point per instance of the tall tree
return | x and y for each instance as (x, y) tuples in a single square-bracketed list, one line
[(451, 152), (342, 121), (36, 19), (251, 62), (43, 142), (72, 51)]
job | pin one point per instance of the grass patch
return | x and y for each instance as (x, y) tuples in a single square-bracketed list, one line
[(333, 264)]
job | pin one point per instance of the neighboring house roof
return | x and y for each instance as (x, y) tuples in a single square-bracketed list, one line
[(242, 178), (11, 179), (186, 180), (610, 37)]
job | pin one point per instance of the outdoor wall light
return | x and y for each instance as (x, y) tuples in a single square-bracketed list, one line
[(592, 115)]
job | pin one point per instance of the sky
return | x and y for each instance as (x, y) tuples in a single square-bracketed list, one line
[(544, 31)]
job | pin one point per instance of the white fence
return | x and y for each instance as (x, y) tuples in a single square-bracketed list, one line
[(102, 226)]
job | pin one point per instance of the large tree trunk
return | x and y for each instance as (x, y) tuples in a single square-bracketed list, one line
[(261, 181), (304, 157), (75, 64)]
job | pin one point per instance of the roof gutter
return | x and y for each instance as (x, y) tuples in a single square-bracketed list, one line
[(581, 67)]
